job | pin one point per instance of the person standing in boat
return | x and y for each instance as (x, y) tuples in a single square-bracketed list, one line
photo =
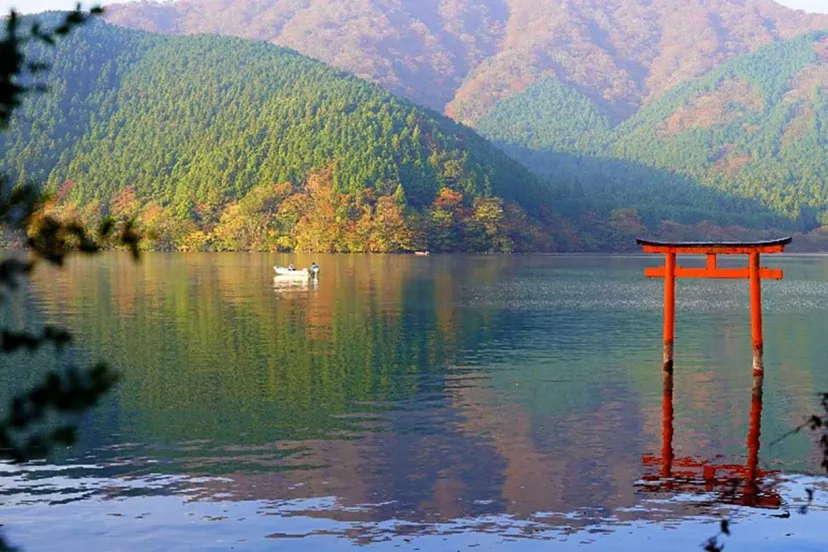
[(314, 269)]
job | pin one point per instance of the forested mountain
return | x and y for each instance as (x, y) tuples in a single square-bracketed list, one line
[(753, 128), (198, 132), (222, 143), (180, 117), (674, 108), (463, 56)]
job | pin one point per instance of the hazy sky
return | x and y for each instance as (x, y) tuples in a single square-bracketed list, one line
[(807, 5), (34, 6), (41, 5)]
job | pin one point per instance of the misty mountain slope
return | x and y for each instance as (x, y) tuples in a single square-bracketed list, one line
[(466, 55), (422, 49), (193, 124), (754, 128)]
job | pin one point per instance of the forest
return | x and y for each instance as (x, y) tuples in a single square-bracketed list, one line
[(216, 143), (316, 217), (703, 122), (743, 145)]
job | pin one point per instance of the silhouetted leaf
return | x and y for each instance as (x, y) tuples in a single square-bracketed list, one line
[(712, 545)]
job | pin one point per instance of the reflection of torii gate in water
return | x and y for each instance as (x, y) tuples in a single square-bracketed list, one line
[(734, 483), (682, 474)]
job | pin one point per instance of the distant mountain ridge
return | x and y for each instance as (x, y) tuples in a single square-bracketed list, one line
[(463, 56)]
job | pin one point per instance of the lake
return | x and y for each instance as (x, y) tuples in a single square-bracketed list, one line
[(436, 403)]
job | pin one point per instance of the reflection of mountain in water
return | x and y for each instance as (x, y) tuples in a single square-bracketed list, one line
[(411, 389)]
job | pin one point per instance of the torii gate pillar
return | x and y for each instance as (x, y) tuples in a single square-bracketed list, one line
[(754, 272)]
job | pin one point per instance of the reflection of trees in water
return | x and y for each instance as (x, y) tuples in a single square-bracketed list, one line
[(208, 329), (380, 385)]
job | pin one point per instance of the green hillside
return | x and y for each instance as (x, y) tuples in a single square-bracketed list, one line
[(192, 125), (548, 115), (744, 145), (702, 123), (752, 128), (181, 116)]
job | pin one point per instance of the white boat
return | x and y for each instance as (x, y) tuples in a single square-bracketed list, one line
[(296, 274), (282, 272)]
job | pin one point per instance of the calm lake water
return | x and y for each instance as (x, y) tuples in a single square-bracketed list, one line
[(440, 403)]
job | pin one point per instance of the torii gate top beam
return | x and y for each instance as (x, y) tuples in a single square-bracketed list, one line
[(715, 248)]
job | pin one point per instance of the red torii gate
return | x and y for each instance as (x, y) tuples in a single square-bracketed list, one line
[(753, 272)]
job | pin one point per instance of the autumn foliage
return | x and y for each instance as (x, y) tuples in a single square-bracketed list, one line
[(316, 217)]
